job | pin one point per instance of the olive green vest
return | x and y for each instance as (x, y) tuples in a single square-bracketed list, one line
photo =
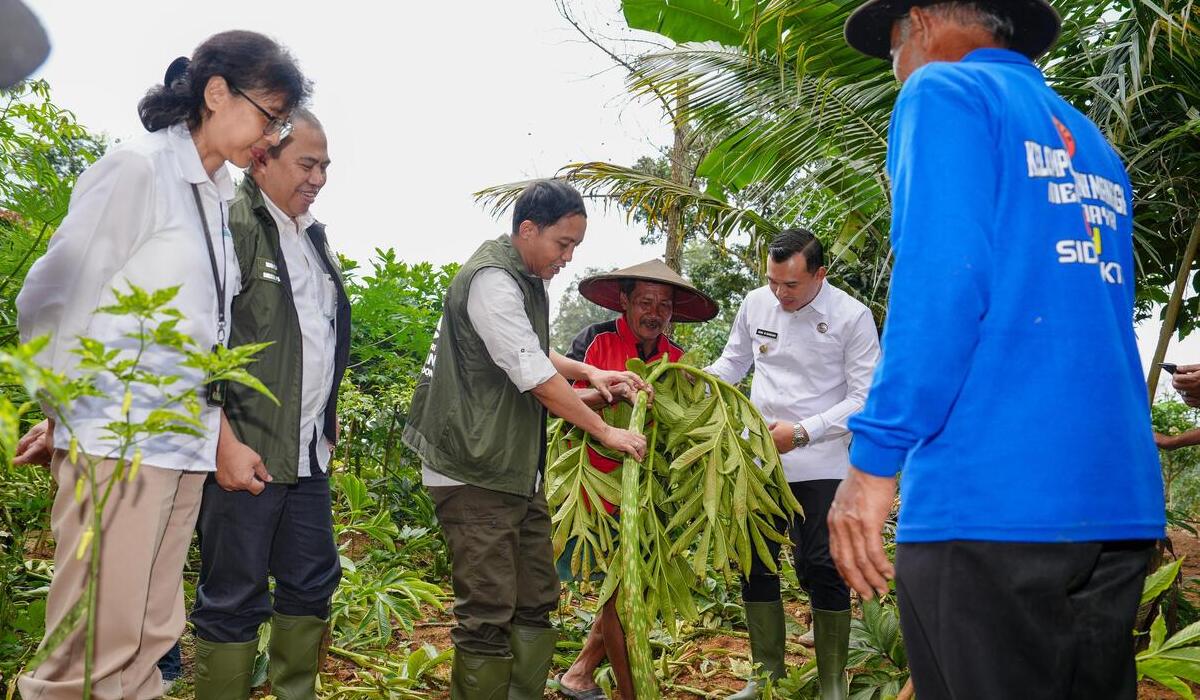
[(263, 311), (468, 421)]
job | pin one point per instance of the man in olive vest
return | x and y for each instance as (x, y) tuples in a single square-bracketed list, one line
[(478, 422), (267, 509)]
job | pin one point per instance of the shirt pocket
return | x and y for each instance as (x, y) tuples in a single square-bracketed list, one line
[(328, 297), (828, 348)]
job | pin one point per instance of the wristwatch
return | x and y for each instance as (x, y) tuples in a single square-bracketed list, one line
[(799, 436)]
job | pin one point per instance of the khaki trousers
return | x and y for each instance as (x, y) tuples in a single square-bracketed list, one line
[(147, 527)]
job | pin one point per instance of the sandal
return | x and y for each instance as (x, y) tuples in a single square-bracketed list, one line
[(589, 694)]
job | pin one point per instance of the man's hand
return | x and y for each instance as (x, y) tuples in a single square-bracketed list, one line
[(36, 446), (1164, 442), (1186, 381), (624, 441), (239, 468), (856, 520), (618, 385), (783, 433)]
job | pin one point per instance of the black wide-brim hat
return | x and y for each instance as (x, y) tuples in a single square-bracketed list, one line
[(1035, 24), (689, 304), (23, 42)]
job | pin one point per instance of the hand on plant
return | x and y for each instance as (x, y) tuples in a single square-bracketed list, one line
[(783, 434), (1186, 381), (36, 446), (856, 520), (240, 468), (624, 441), (619, 385)]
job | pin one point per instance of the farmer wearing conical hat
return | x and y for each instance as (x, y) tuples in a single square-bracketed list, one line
[(1010, 391), (650, 296)]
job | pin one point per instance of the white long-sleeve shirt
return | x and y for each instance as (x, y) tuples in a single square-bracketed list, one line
[(496, 309), (812, 366), (315, 297), (133, 220)]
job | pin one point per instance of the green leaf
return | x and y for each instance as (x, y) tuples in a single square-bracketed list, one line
[(1160, 580), (722, 21), (1158, 632)]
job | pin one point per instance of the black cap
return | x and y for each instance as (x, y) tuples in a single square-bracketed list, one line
[(1035, 24)]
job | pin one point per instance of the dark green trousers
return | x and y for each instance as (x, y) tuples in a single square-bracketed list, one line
[(502, 564)]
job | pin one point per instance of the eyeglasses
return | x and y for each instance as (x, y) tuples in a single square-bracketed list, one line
[(283, 125)]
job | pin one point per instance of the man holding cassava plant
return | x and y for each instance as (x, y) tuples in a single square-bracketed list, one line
[(478, 422), (813, 349), (650, 296), (1010, 392)]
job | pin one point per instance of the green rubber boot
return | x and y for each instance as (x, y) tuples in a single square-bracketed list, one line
[(831, 632), (295, 651), (532, 649), (222, 671), (478, 677), (765, 624)]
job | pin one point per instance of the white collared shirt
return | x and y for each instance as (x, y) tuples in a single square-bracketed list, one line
[(133, 220), (496, 309), (812, 366), (315, 298)]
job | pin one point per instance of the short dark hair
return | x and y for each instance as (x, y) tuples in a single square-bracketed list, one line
[(299, 114), (544, 202), (798, 240), (246, 60)]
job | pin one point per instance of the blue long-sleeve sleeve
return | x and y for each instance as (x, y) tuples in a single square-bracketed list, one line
[(942, 163)]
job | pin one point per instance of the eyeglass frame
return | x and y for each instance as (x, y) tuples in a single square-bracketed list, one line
[(284, 127)]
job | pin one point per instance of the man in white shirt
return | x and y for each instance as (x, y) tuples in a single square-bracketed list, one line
[(813, 349), (266, 511), (478, 422)]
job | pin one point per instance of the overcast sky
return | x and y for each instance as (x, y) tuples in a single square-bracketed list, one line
[(424, 103)]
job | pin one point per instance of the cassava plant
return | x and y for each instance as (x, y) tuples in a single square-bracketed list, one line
[(708, 497)]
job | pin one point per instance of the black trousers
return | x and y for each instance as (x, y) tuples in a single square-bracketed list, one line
[(285, 532), (1034, 621), (815, 569)]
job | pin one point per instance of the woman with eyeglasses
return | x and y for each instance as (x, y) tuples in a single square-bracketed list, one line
[(151, 213)]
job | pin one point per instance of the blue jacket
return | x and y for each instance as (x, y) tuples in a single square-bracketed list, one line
[(1010, 390)]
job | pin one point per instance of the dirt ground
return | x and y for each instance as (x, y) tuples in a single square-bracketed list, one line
[(708, 658)]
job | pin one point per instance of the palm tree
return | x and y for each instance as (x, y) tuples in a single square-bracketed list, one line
[(797, 123)]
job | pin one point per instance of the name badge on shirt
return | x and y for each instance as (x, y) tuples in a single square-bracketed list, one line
[(766, 334)]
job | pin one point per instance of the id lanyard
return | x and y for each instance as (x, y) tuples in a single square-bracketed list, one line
[(218, 277), (215, 390)]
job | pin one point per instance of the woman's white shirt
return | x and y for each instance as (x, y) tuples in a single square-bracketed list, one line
[(133, 221)]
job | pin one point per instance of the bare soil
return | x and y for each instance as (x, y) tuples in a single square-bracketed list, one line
[(706, 661)]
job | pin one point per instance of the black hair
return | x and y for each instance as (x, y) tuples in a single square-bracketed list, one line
[(798, 240), (246, 60), (544, 202), (299, 114), (626, 285)]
